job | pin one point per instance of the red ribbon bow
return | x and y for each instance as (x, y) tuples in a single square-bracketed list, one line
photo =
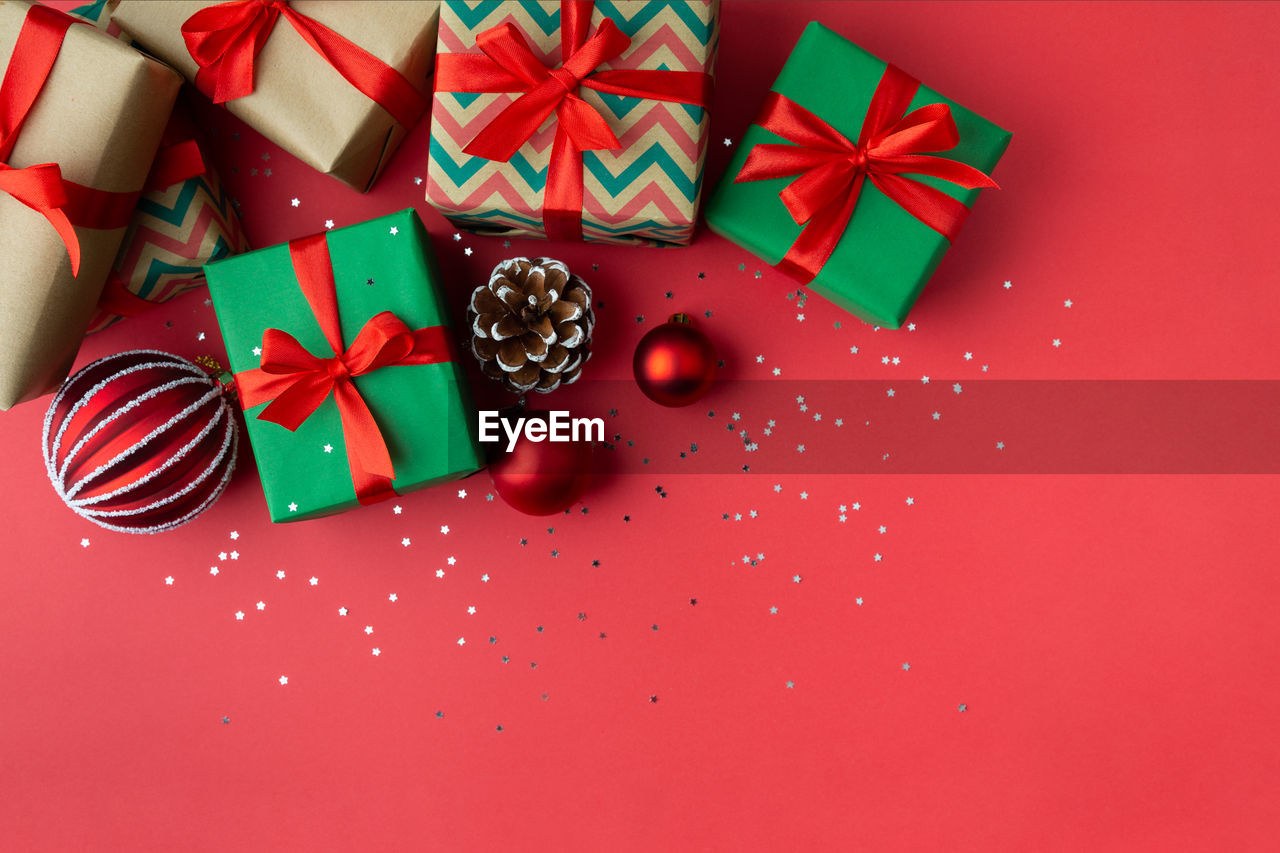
[(506, 64), (225, 41), (40, 187), (295, 382), (832, 169)]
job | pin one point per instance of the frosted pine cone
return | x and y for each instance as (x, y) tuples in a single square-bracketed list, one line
[(531, 324)]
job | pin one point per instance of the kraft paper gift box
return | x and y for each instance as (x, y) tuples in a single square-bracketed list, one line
[(420, 405), (534, 178), (792, 192), (86, 134), (290, 92)]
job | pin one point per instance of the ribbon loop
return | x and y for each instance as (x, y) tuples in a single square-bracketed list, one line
[(832, 170), (294, 382), (42, 189)]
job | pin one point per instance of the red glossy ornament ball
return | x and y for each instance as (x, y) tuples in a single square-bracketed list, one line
[(541, 477), (675, 363), (140, 442)]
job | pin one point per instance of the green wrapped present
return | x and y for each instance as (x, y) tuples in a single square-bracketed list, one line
[(345, 366), (854, 178)]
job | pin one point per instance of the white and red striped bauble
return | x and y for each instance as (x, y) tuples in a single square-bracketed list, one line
[(140, 442)]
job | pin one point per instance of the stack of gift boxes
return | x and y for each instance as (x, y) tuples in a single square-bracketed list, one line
[(559, 120)]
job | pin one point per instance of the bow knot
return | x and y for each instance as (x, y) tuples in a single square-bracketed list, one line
[(42, 189), (546, 90), (831, 169), (337, 369), (566, 78)]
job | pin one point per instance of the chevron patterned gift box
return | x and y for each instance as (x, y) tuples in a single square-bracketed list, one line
[(614, 138), (174, 232)]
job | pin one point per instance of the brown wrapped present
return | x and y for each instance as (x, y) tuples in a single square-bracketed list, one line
[(184, 220), (341, 100), (79, 126)]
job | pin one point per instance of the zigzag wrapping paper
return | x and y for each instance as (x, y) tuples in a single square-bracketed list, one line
[(646, 192), (175, 232)]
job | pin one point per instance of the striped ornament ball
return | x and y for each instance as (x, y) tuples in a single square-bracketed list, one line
[(140, 442)]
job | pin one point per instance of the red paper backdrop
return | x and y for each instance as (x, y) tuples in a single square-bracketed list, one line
[(1030, 662)]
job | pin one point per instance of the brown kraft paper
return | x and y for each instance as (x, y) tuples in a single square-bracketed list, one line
[(99, 117), (300, 101)]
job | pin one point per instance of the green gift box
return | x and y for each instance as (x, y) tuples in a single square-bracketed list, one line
[(422, 410), (885, 254)]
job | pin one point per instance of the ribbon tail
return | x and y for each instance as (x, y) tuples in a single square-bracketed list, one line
[(67, 232), (301, 395), (586, 127), (953, 171), (501, 138), (256, 386), (766, 161), (562, 199), (231, 75), (363, 437), (682, 87), (933, 207), (813, 248)]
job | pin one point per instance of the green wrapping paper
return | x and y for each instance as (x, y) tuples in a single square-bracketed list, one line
[(423, 411), (885, 255)]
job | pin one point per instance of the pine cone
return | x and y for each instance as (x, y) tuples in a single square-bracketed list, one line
[(531, 324)]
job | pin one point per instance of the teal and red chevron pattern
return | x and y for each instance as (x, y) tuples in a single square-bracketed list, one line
[(647, 191), (174, 232)]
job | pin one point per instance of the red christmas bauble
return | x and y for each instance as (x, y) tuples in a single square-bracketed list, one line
[(674, 363), (140, 442), (542, 477)]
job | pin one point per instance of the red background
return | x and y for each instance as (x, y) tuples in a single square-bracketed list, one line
[(1112, 640)]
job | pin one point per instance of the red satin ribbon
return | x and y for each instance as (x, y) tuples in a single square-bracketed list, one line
[(295, 382), (832, 169), (506, 64), (40, 187), (225, 41)]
